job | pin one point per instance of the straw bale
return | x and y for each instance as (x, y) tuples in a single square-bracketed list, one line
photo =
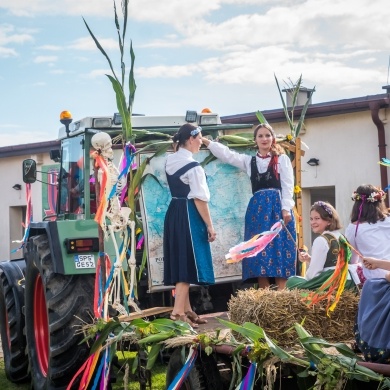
[(277, 311)]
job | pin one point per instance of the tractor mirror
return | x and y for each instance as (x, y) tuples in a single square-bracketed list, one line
[(29, 171), (55, 155)]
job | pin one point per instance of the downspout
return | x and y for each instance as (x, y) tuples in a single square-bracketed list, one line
[(375, 107)]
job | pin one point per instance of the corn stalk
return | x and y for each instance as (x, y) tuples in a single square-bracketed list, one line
[(293, 89)]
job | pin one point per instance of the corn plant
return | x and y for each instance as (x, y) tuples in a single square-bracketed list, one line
[(293, 89)]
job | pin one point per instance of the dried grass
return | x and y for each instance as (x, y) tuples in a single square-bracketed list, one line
[(277, 311)]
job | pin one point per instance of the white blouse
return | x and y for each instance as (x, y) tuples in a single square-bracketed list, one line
[(243, 162), (319, 252), (194, 177), (372, 240)]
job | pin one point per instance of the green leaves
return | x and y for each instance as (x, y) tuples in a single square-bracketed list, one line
[(251, 331), (124, 108), (121, 105), (261, 117), (293, 90)]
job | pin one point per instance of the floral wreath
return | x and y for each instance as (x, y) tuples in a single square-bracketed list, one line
[(324, 206), (375, 196)]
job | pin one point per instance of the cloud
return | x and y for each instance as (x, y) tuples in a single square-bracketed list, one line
[(5, 52), (10, 36), (50, 47), (98, 73), (45, 59), (87, 43), (48, 7), (165, 71)]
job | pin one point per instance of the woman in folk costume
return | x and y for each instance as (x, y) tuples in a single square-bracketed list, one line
[(325, 221), (369, 230), (188, 228), (272, 178)]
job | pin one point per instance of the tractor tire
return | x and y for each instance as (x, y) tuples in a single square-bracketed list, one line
[(56, 308), (13, 339), (203, 376)]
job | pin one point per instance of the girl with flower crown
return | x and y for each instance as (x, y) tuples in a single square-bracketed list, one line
[(325, 221), (272, 179), (369, 233), (369, 230)]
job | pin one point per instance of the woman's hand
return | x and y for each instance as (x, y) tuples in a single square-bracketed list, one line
[(370, 262), (304, 257), (211, 233), (205, 141), (286, 216)]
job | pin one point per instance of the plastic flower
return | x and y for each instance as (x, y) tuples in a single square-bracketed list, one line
[(297, 190), (289, 137)]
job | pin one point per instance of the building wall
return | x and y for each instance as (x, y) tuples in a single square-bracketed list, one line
[(347, 148), (13, 200)]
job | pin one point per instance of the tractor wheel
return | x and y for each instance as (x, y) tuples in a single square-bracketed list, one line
[(13, 339), (203, 376), (56, 308)]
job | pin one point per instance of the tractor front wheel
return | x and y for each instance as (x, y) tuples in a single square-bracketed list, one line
[(12, 321), (56, 308)]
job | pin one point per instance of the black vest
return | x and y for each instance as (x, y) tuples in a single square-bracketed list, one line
[(333, 252), (264, 180)]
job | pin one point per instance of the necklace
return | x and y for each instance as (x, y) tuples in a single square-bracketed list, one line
[(263, 157)]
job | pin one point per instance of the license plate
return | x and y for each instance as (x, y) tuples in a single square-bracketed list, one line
[(84, 261)]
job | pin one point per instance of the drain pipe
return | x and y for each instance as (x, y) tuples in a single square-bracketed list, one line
[(375, 107)]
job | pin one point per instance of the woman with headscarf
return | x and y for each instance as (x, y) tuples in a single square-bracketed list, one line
[(188, 228)]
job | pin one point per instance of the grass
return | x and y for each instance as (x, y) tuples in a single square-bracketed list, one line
[(158, 376)]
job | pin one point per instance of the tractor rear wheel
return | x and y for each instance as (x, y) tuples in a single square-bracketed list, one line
[(56, 308), (13, 339)]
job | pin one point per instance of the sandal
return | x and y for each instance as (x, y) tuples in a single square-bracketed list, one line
[(183, 318), (195, 318)]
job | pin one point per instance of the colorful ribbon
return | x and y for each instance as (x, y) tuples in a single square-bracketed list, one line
[(253, 246), (336, 282), (249, 379), (185, 370)]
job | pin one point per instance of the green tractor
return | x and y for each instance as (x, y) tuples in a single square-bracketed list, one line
[(47, 296)]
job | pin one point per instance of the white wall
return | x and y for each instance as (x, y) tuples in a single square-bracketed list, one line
[(347, 148), (12, 200)]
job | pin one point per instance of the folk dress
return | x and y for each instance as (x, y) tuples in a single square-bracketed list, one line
[(187, 255), (373, 321), (271, 195)]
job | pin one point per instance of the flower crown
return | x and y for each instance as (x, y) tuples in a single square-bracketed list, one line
[(375, 196), (324, 206)]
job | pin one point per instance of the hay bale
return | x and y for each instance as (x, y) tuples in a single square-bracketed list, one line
[(277, 311)]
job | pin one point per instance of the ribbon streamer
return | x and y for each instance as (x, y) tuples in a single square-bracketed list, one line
[(249, 379), (185, 370), (253, 246)]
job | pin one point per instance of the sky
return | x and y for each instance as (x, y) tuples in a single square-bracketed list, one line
[(189, 54)]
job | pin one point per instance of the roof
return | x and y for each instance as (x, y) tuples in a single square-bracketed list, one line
[(28, 149), (336, 107)]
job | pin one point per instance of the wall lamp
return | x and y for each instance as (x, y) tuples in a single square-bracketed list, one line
[(17, 187), (313, 162)]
